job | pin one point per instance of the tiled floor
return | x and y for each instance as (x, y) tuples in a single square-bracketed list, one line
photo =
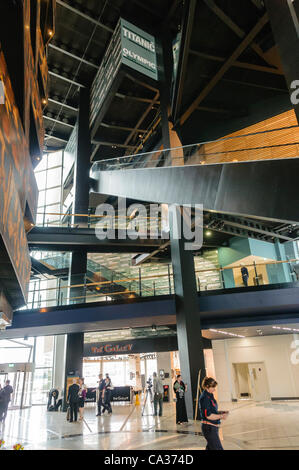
[(268, 425)]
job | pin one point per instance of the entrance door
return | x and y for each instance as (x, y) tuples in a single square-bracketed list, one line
[(19, 376), (259, 381)]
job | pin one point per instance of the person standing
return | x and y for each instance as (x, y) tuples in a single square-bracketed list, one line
[(158, 394), (101, 383), (180, 389), (5, 397), (107, 392), (210, 416), (82, 395), (73, 399), (245, 275)]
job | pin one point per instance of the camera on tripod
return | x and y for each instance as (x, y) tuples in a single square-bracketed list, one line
[(149, 383)]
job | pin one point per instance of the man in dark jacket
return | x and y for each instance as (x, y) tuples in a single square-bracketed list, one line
[(5, 395), (101, 383), (245, 275), (73, 399)]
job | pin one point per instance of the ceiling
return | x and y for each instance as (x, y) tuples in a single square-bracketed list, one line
[(213, 334), (211, 31)]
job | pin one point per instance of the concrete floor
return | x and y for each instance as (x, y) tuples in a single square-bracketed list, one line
[(267, 425)]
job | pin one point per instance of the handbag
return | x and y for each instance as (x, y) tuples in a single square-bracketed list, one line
[(68, 413)]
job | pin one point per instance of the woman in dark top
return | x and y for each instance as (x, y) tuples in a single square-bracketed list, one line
[(180, 389), (210, 416)]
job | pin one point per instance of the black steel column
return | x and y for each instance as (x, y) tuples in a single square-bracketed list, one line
[(82, 163), (81, 193), (73, 359), (75, 341), (165, 80), (187, 313), (284, 19)]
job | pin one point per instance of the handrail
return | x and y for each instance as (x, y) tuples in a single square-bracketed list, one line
[(198, 144), (157, 276)]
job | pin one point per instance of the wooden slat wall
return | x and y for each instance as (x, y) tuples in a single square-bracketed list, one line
[(229, 150)]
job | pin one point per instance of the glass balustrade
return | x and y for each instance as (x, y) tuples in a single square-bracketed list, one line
[(100, 283)]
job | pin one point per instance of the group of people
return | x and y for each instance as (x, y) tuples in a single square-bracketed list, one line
[(75, 398), (105, 388), (210, 416), (5, 397)]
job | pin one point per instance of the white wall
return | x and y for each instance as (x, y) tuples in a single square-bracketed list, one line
[(164, 362), (277, 352), (59, 362)]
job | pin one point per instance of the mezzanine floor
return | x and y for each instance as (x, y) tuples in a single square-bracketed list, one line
[(249, 426)]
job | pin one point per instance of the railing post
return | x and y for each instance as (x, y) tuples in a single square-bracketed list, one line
[(198, 280), (154, 286), (222, 277), (88, 218), (256, 276), (140, 286), (84, 289), (59, 289), (169, 281)]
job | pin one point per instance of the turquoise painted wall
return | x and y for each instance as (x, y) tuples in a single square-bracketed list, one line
[(239, 248), (228, 277)]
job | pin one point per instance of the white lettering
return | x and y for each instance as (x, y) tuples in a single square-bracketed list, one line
[(295, 94)]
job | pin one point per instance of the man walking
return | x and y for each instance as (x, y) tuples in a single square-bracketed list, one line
[(5, 395), (101, 383), (158, 394), (73, 399)]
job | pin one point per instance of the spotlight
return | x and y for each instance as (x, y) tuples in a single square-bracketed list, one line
[(208, 233), (50, 32)]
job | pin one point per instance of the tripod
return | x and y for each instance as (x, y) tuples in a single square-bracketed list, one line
[(150, 394)]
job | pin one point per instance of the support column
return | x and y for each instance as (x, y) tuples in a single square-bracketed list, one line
[(190, 341), (170, 137), (73, 360), (82, 163), (81, 193), (284, 21)]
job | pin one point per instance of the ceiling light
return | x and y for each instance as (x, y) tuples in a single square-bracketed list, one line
[(228, 333), (50, 32), (208, 233)]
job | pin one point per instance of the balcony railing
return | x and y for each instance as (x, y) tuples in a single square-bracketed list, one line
[(271, 144), (82, 289)]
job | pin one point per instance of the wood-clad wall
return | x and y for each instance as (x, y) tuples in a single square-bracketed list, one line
[(278, 144), (21, 141)]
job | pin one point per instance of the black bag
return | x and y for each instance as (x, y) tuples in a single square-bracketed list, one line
[(68, 413)]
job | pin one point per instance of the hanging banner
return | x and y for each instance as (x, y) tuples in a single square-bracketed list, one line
[(138, 49)]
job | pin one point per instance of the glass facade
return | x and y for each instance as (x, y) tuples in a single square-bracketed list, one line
[(35, 385)]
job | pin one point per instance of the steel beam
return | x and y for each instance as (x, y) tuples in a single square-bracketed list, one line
[(48, 136), (238, 64), (83, 15), (111, 144), (74, 56), (66, 79), (186, 32), (238, 51), (59, 103), (58, 122), (234, 27)]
